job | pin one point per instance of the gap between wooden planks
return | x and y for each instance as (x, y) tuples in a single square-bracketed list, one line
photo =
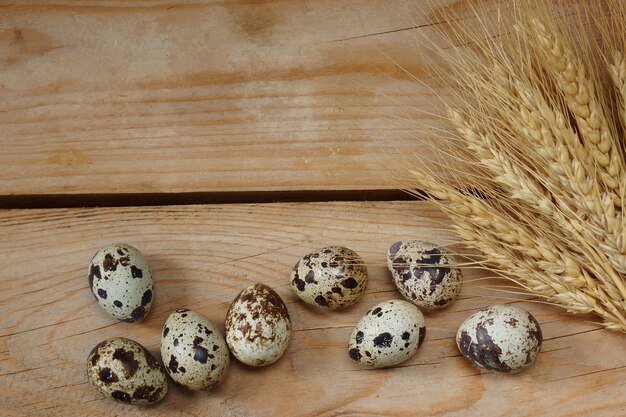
[(203, 255)]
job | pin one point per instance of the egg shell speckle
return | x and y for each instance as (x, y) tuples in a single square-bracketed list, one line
[(126, 372), (500, 338), (423, 273), (193, 350), (331, 278), (258, 327), (121, 281), (388, 334)]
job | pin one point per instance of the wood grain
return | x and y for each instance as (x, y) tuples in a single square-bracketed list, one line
[(207, 96), (203, 255)]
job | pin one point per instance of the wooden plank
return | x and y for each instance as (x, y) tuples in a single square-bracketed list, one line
[(203, 255), (205, 96)]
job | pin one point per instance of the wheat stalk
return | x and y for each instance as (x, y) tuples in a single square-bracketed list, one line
[(543, 138)]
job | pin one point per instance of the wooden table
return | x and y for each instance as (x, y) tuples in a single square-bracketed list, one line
[(226, 139)]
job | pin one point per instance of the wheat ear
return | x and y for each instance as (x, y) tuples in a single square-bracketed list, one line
[(580, 96)]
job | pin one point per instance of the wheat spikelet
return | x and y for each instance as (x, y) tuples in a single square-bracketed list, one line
[(543, 139), (618, 73)]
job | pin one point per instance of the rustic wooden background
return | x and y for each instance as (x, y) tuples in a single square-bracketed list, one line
[(152, 104)]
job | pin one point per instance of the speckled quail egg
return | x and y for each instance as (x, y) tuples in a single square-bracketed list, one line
[(333, 277), (121, 281), (423, 273), (193, 350), (258, 327), (388, 334), (125, 371), (500, 338)]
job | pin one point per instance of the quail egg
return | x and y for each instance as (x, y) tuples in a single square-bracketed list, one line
[(193, 350), (500, 338), (331, 278), (388, 334), (258, 327), (121, 281), (424, 273), (125, 371)]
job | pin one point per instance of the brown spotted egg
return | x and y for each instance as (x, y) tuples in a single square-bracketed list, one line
[(333, 277), (125, 371), (121, 281), (258, 327), (423, 273), (193, 350), (500, 338), (388, 334)]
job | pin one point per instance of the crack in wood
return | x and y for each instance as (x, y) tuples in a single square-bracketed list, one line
[(25, 370), (572, 334), (386, 32), (588, 373), (38, 328)]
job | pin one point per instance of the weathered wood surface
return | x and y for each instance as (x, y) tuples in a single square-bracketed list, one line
[(206, 96), (203, 255)]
